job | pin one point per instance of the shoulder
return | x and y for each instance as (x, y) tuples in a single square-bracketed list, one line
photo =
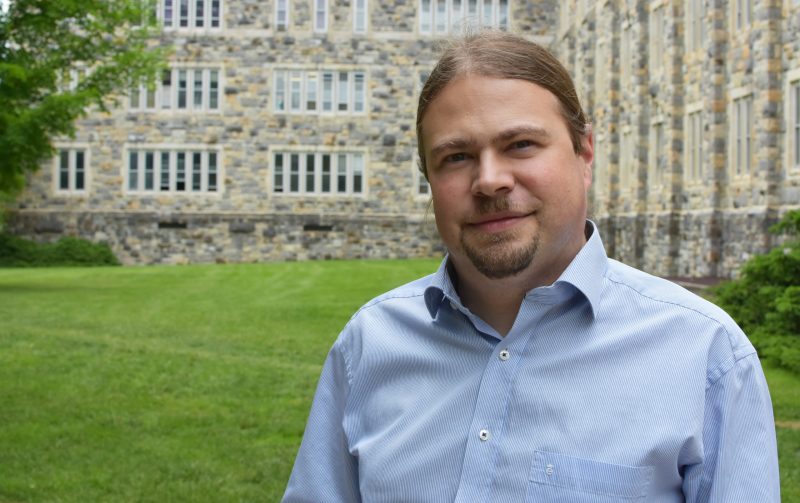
[(687, 314)]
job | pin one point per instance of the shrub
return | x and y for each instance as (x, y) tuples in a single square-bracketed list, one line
[(68, 251), (765, 300)]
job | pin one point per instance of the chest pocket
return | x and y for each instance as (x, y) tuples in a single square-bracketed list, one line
[(557, 478)]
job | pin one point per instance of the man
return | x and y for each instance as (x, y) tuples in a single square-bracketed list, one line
[(530, 367)]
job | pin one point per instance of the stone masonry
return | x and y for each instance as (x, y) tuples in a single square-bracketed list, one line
[(655, 211)]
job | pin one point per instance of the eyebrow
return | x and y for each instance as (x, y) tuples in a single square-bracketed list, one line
[(537, 132)]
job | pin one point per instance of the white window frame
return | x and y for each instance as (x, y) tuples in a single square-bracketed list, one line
[(442, 17), (211, 172), (208, 13), (792, 113), (656, 55), (627, 159), (320, 7), (331, 97), (696, 32), (657, 153), (742, 13), (349, 163), (693, 153), (360, 16), (74, 152), (282, 14), (742, 134), (167, 98)]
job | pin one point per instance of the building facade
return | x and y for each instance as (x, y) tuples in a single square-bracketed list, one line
[(284, 129), (696, 113)]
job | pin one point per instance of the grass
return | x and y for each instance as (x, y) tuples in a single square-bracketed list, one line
[(190, 383)]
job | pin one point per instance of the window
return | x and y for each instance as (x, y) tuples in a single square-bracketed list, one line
[(625, 61), (693, 153), (190, 14), (656, 57), (341, 92), (320, 15), (742, 12), (318, 173), (742, 136), (794, 125), (359, 16), (156, 169), (448, 16), (282, 14), (695, 25), (70, 169), (179, 89), (657, 144), (627, 162)]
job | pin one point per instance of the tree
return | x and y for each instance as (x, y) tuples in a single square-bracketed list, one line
[(59, 57)]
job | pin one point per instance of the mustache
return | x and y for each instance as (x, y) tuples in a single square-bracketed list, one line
[(494, 205)]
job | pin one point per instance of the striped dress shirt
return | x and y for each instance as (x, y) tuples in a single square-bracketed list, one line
[(611, 386)]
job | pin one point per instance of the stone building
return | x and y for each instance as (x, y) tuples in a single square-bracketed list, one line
[(284, 129), (696, 112)]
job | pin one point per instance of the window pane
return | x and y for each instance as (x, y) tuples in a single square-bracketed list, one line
[(166, 89), (502, 22), (278, 180), (296, 86), (149, 166), (165, 171), (309, 173), (280, 91), (63, 170), (215, 13), (197, 171), (213, 89), (327, 91), (441, 16), (180, 172), (133, 171), (358, 173), (358, 106), (425, 16), (360, 16), (184, 13), (199, 14), (311, 92), (134, 103), (212, 171), (182, 85), (294, 173), (344, 90), (80, 170), (198, 88), (168, 13), (487, 19), (341, 173), (326, 173), (321, 15)]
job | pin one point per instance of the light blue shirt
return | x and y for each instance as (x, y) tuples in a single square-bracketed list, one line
[(612, 386)]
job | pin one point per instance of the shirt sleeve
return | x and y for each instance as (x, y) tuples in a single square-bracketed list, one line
[(324, 470), (740, 455)]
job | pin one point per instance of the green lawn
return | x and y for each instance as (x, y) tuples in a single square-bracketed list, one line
[(189, 383)]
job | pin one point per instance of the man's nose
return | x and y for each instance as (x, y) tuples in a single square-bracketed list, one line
[(493, 176)]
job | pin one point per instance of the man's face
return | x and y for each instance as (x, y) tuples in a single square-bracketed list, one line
[(509, 191)]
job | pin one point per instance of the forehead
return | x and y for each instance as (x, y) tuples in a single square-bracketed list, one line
[(475, 103)]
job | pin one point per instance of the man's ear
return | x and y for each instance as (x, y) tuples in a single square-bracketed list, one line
[(587, 155)]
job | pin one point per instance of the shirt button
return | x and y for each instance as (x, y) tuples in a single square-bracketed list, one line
[(504, 355), (550, 469), (484, 435), (453, 305)]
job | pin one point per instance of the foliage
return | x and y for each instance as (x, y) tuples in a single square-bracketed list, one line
[(765, 300), (58, 57), (68, 251)]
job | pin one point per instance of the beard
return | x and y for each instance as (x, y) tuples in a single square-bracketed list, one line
[(498, 256)]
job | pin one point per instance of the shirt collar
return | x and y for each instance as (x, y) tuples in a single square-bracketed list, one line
[(584, 273)]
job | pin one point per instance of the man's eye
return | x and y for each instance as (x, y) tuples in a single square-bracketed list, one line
[(522, 144), (455, 157)]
